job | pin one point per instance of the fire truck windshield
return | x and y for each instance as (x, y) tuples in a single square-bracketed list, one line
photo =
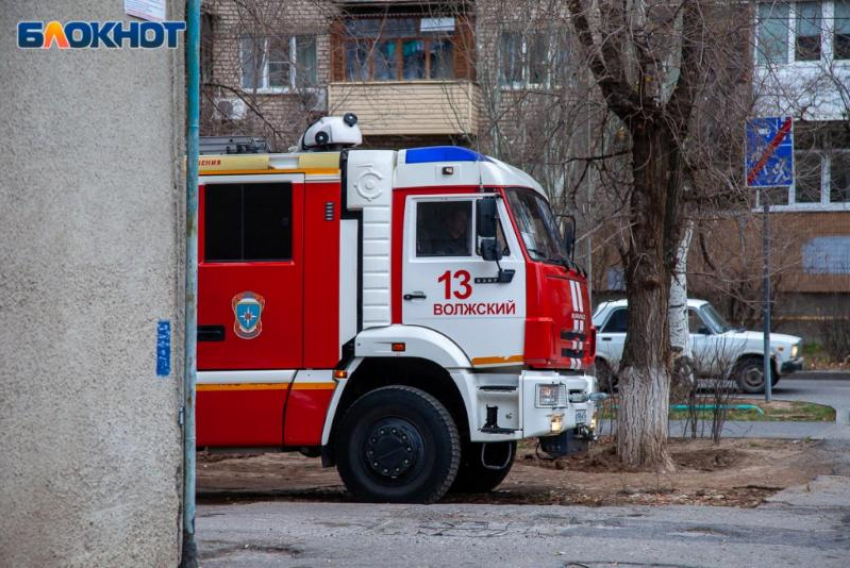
[(537, 226)]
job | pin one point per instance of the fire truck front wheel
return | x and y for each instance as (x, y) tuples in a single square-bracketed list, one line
[(397, 444)]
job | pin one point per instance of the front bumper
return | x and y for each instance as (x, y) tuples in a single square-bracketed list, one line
[(791, 366), (552, 421), (502, 406)]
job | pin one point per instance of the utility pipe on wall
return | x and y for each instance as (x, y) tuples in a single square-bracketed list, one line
[(189, 556)]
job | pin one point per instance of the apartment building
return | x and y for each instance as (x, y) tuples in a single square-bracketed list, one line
[(406, 69), (801, 56), (478, 74)]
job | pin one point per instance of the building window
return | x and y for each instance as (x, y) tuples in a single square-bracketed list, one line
[(808, 177), (399, 49), (279, 63), (532, 59), (841, 35), (807, 42), (839, 177), (247, 223), (821, 168), (772, 34), (802, 31)]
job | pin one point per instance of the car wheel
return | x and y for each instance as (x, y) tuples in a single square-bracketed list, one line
[(606, 378), (397, 444), (476, 477), (749, 374)]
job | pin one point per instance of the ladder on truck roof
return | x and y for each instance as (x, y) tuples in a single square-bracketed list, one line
[(233, 145)]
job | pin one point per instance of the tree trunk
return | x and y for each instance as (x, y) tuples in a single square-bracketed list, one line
[(680, 342), (645, 370)]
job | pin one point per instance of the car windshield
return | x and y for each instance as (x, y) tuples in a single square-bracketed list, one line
[(714, 319), (537, 226)]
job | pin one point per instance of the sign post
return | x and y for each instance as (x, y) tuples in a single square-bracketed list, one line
[(769, 163)]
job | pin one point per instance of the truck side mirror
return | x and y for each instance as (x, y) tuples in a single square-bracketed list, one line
[(490, 249), (569, 234), (485, 219)]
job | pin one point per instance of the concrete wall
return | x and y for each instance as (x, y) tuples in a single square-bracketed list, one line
[(91, 200)]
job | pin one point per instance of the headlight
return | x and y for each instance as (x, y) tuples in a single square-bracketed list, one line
[(795, 350), (551, 396)]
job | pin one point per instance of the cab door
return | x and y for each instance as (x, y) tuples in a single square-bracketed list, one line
[(447, 286), (250, 274)]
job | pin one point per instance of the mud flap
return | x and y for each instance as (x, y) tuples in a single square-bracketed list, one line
[(566, 443)]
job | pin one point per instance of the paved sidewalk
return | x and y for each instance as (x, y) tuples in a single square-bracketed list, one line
[(834, 392), (789, 430), (753, 429)]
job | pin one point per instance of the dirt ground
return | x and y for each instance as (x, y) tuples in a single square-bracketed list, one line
[(739, 472)]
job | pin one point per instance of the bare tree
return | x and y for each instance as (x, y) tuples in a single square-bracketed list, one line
[(656, 68)]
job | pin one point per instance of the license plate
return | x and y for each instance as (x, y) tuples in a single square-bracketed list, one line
[(581, 416)]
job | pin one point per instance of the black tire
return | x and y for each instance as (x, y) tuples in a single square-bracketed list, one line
[(749, 375), (397, 444), (473, 476), (606, 379)]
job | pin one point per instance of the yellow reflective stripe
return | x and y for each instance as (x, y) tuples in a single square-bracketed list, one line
[(313, 386), (242, 386), (265, 386), (306, 171), (496, 360)]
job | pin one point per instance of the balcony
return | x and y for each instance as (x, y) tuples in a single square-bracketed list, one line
[(408, 108)]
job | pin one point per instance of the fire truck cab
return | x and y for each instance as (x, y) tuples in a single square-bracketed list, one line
[(406, 315)]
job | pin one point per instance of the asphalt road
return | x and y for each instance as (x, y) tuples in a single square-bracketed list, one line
[(799, 527), (833, 391)]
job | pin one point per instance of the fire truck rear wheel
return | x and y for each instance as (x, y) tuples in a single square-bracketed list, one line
[(476, 477), (397, 444)]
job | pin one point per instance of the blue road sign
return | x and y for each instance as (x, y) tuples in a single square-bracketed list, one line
[(770, 152)]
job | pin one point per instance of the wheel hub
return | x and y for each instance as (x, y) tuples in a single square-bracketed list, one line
[(392, 447), (753, 377)]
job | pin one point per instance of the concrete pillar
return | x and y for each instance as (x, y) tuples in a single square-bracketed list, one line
[(91, 248)]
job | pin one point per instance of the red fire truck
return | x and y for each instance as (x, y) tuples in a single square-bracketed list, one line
[(406, 315)]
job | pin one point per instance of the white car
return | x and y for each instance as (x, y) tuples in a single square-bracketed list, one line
[(718, 349)]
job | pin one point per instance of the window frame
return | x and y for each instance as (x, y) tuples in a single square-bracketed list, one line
[(705, 325), (610, 318), (471, 231), (796, 10), (831, 30), (827, 37), (371, 44), (279, 185), (825, 203), (526, 41), (292, 85)]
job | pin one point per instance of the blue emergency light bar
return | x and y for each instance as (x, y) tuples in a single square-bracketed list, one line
[(433, 154)]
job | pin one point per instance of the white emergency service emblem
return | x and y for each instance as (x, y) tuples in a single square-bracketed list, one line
[(248, 311)]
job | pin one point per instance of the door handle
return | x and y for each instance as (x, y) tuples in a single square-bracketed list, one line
[(415, 296), (210, 333), (606, 339)]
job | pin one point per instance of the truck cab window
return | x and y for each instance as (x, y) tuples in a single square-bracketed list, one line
[(444, 228), (618, 322), (247, 222)]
